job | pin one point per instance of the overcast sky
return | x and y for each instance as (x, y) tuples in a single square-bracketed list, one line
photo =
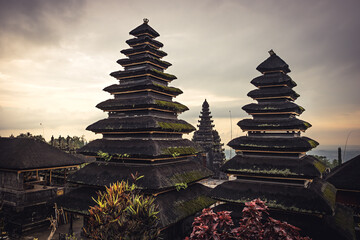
[(56, 57)]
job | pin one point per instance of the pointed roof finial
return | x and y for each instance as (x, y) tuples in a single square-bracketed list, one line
[(146, 20), (271, 52)]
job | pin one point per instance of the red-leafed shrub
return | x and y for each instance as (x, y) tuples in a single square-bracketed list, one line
[(255, 224)]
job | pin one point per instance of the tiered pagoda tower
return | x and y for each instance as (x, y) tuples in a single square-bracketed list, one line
[(143, 135), (271, 161), (209, 139)]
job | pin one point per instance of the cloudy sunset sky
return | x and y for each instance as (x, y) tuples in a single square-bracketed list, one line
[(56, 57)]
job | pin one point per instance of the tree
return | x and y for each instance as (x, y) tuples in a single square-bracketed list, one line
[(255, 224), (121, 212), (328, 163), (29, 135)]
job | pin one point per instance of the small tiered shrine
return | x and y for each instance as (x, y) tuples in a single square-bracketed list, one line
[(209, 139), (143, 135), (271, 161)]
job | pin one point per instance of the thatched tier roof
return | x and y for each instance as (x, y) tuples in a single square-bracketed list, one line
[(177, 205), (144, 29), (134, 74), (157, 177), (317, 198), (144, 40), (146, 49), (27, 153), (307, 167), (141, 103), (346, 176), (273, 79), (274, 108), (273, 93), (273, 144), (173, 205), (140, 123), (273, 64), (145, 85), (280, 124), (125, 62), (142, 148)]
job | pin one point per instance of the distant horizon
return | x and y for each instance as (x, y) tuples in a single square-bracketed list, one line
[(56, 57)]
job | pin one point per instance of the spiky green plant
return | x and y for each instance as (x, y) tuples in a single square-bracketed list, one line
[(121, 212)]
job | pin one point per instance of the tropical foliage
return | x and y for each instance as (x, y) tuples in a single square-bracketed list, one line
[(255, 224), (121, 212)]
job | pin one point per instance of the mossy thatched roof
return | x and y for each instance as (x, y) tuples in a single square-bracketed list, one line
[(276, 92), (271, 79), (294, 144), (28, 153), (174, 205), (132, 74), (273, 107), (273, 124), (141, 148), (318, 198), (157, 177), (147, 59), (304, 167), (140, 102), (140, 123)]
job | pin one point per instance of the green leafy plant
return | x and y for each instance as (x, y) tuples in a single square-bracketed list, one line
[(121, 212), (180, 186), (107, 157), (125, 155)]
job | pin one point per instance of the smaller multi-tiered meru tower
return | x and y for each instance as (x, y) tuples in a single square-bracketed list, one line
[(209, 139), (271, 161), (143, 135)]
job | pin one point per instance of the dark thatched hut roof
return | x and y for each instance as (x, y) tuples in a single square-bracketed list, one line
[(296, 144), (157, 177), (273, 63), (142, 123), (145, 102), (278, 92), (144, 40), (144, 29), (273, 107), (131, 74), (148, 59), (318, 197), (177, 205), (273, 124), (27, 153), (141, 85), (305, 167), (273, 79), (347, 175), (131, 52), (139, 147), (174, 205)]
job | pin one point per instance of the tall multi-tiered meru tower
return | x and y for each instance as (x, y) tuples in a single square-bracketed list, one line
[(209, 139), (271, 161), (143, 135)]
